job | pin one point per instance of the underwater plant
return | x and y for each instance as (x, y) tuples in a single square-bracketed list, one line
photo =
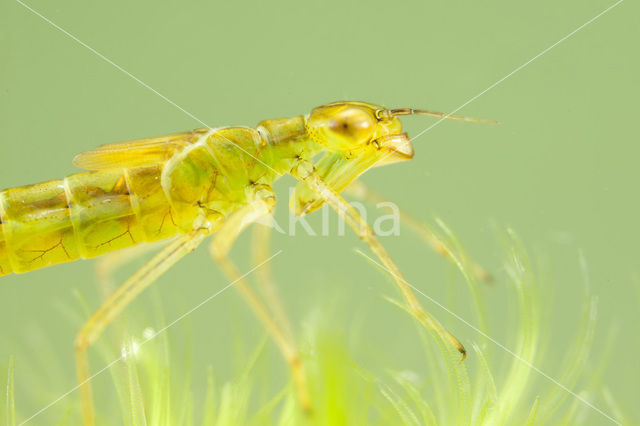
[(494, 386)]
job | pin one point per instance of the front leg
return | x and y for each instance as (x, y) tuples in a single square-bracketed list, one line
[(360, 191), (305, 171)]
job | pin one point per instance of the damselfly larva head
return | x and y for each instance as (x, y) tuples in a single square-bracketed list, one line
[(356, 128), (356, 136)]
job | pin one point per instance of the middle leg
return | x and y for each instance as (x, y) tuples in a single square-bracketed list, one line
[(281, 334), (261, 237)]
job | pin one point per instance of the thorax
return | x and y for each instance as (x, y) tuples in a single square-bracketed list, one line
[(216, 175)]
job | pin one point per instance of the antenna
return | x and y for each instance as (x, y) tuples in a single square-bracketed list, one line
[(387, 113)]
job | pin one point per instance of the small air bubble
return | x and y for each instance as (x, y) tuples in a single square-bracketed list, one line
[(148, 333), (131, 349), (410, 376)]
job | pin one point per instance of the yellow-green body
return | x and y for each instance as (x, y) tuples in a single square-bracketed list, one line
[(153, 189), (91, 213)]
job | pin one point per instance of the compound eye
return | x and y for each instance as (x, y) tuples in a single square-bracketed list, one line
[(353, 124)]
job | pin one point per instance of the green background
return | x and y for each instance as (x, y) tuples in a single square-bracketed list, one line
[(560, 168)]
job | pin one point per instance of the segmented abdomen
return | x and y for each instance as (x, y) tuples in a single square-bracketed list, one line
[(84, 215)]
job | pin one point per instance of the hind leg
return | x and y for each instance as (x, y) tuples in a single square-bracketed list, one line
[(116, 302), (108, 264)]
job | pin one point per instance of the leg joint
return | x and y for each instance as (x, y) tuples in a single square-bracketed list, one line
[(218, 251), (81, 342), (366, 233)]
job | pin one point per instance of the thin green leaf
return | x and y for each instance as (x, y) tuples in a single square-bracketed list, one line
[(10, 396)]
